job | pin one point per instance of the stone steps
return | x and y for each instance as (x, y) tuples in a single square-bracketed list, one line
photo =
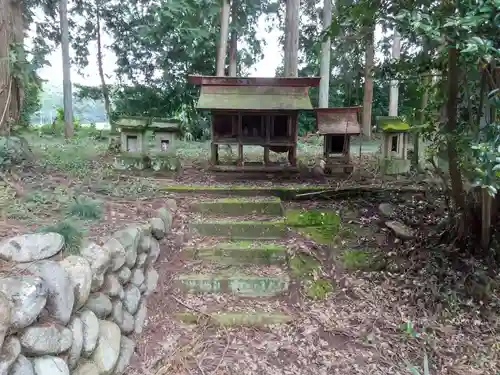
[(237, 318), (244, 242), (241, 230), (241, 252), (269, 206), (241, 284)]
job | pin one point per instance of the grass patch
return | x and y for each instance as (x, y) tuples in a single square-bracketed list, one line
[(73, 235), (303, 265), (318, 289), (75, 157), (313, 218), (128, 189), (86, 208), (306, 268), (363, 260)]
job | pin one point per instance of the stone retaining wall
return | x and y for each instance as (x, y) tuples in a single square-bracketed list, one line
[(75, 314)]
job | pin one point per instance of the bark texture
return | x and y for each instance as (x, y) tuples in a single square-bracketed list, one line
[(233, 43), (325, 57), (368, 87), (292, 38), (11, 36), (224, 34)]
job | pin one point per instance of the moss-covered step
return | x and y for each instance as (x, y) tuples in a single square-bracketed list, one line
[(241, 252), (235, 206), (241, 230), (285, 192), (237, 318), (238, 284)]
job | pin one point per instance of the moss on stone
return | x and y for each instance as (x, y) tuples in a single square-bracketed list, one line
[(244, 200), (241, 187), (312, 218), (321, 235), (238, 252), (241, 206), (363, 260), (242, 230), (318, 289), (303, 265)]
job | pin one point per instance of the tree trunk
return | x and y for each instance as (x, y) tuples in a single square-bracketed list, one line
[(104, 87), (233, 43), (324, 84), (11, 37), (292, 38), (224, 30), (394, 93), (66, 63), (426, 80), (368, 89), (457, 188)]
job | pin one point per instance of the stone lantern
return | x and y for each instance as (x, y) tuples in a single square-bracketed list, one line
[(133, 143), (166, 134), (395, 144)]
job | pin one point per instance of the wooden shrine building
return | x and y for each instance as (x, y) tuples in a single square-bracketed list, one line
[(337, 126), (254, 112)]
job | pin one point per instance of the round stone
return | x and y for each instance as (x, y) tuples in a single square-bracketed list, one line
[(106, 354), (27, 296), (31, 247), (79, 272)]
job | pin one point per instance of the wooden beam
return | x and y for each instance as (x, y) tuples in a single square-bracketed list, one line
[(254, 81)]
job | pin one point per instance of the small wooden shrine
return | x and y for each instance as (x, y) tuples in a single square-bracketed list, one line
[(254, 112), (337, 125), (395, 144)]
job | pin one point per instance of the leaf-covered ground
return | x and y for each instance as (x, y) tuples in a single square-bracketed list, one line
[(378, 320), (417, 299)]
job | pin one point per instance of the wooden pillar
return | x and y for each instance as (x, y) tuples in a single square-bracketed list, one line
[(267, 120), (292, 127), (240, 142), (214, 147), (215, 154)]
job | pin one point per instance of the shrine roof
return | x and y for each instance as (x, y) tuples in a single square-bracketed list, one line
[(341, 120), (166, 125), (264, 94), (132, 123), (392, 124), (255, 81)]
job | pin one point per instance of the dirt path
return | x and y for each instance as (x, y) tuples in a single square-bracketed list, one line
[(280, 316)]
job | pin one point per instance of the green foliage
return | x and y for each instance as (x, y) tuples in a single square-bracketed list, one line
[(73, 234), (14, 152), (75, 157), (473, 32), (86, 208), (358, 259), (319, 289), (313, 218), (302, 265), (23, 71)]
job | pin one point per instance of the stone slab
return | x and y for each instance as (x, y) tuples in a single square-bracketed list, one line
[(238, 284), (241, 230), (241, 252), (235, 207)]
